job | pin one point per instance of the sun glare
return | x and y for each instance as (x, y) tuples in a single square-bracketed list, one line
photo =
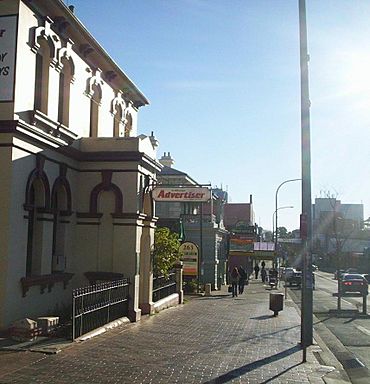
[(355, 68)]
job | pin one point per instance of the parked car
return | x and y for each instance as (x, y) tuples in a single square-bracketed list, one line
[(315, 267), (296, 279), (288, 272), (354, 282)]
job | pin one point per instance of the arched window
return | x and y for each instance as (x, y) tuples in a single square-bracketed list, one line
[(106, 206), (59, 204), (117, 121), (65, 80), (128, 127), (34, 236), (42, 77), (94, 110)]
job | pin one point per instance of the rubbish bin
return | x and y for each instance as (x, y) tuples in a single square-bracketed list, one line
[(276, 302)]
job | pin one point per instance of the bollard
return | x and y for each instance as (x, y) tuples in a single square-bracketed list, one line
[(276, 302), (207, 289)]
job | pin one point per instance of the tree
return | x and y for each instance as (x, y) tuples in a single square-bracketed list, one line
[(165, 252), (284, 234)]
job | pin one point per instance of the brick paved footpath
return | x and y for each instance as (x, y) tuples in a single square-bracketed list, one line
[(217, 339)]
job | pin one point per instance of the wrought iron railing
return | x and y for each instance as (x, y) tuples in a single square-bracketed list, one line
[(164, 286), (96, 305)]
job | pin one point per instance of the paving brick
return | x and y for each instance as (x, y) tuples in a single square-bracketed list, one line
[(217, 339)]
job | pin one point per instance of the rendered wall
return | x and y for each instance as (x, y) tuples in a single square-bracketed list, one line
[(93, 241)]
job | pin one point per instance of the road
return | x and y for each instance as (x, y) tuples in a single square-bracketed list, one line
[(349, 326)]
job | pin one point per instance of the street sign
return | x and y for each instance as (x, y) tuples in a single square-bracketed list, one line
[(189, 256)]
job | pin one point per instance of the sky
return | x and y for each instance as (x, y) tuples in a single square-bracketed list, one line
[(223, 81)]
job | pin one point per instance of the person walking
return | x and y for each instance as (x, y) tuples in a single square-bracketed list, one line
[(263, 275), (234, 279), (242, 279), (256, 271)]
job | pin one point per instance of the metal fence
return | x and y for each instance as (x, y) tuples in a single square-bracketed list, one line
[(96, 305), (164, 286)]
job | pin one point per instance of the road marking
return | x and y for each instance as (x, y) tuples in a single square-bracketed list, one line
[(363, 330)]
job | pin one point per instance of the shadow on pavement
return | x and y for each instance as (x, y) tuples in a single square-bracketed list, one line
[(238, 372), (281, 373), (263, 317)]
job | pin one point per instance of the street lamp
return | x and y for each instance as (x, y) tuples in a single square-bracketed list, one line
[(273, 222), (276, 207)]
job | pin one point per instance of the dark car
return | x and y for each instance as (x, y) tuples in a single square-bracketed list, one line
[(296, 279), (353, 282)]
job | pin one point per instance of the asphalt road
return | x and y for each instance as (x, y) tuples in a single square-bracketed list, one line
[(349, 326)]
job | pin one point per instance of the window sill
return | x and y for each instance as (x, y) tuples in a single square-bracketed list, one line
[(45, 281)]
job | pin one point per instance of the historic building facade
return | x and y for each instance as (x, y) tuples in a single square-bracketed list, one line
[(209, 235), (75, 175)]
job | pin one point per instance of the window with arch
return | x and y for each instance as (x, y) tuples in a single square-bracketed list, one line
[(128, 127), (117, 121), (106, 206), (65, 79), (42, 76), (36, 200), (59, 205), (94, 110)]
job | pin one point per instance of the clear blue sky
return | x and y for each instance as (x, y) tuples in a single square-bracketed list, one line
[(222, 77)]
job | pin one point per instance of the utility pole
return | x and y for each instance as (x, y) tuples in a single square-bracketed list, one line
[(307, 303)]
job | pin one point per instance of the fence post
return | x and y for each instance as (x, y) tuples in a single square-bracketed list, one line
[(73, 317), (179, 290)]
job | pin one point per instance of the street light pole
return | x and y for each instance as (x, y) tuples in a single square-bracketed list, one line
[(273, 221), (307, 303), (276, 207)]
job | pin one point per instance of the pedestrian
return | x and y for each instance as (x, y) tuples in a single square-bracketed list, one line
[(263, 264), (263, 275), (242, 279), (234, 279), (256, 270)]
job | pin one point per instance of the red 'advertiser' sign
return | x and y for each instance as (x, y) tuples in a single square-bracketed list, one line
[(199, 194)]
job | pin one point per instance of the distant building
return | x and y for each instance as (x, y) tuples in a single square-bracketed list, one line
[(244, 233), (175, 214), (325, 210), (241, 213), (337, 230)]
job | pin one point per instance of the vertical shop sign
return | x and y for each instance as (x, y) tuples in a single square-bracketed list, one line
[(8, 43), (189, 256)]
